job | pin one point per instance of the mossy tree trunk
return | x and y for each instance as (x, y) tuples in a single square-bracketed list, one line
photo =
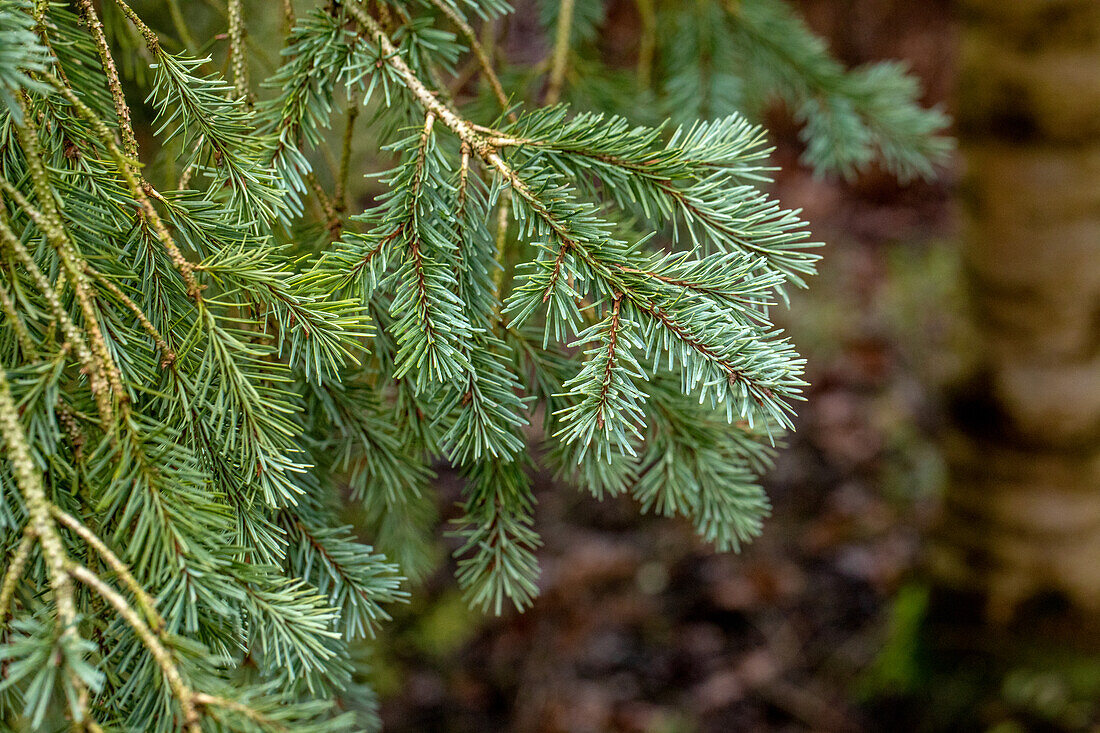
[(1022, 511)]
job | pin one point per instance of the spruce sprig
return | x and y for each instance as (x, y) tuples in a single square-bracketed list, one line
[(216, 347)]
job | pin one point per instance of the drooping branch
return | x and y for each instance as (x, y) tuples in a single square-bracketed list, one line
[(98, 380), (28, 480), (49, 221)]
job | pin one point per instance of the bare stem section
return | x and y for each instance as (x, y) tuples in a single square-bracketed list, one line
[(559, 59)]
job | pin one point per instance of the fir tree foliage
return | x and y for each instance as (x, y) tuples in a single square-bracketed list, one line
[(707, 60), (216, 345)]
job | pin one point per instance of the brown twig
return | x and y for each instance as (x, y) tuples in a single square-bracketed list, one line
[(236, 52), (114, 84)]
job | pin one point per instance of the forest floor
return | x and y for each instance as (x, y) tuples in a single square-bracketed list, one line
[(640, 626)]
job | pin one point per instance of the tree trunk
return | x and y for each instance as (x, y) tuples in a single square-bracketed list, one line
[(1022, 511)]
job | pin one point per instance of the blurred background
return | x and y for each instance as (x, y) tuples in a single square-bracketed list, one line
[(933, 560)]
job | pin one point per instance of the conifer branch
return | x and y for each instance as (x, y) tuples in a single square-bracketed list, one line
[(215, 701), (145, 602), (420, 91), (613, 328), (328, 208), (28, 481), (49, 221), (180, 690), (152, 42), (461, 127), (140, 190), (114, 84), (100, 384), (257, 350), (288, 16), (497, 560), (167, 355), (341, 195), (501, 244)]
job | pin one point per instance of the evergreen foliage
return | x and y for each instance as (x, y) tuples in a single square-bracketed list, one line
[(210, 348)]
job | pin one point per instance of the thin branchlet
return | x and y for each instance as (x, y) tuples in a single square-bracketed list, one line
[(480, 53), (559, 58), (28, 480), (114, 83), (16, 562), (22, 335), (166, 354)]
